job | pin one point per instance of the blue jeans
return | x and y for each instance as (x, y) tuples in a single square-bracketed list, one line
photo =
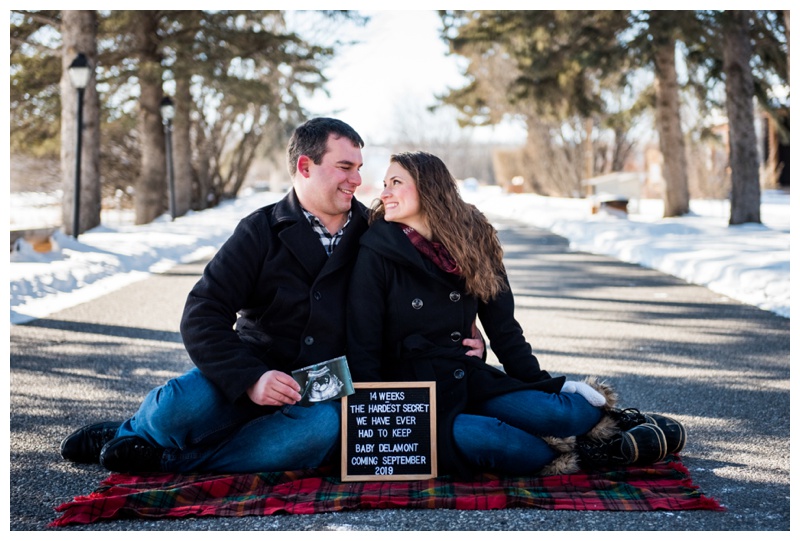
[(203, 432), (504, 434)]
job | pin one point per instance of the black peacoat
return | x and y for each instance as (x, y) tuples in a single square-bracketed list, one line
[(406, 321), (271, 298)]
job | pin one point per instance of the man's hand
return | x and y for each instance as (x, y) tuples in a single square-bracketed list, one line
[(475, 344), (588, 392), (274, 388)]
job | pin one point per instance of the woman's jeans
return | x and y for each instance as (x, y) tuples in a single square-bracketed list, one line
[(504, 434), (202, 431)]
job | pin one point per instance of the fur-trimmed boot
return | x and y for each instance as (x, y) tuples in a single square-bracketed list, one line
[(617, 420), (607, 427), (567, 461), (673, 430), (619, 440), (642, 444)]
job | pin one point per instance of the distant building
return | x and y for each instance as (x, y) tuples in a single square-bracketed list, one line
[(775, 149)]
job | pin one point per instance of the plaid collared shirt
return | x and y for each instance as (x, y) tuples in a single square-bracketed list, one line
[(329, 242)]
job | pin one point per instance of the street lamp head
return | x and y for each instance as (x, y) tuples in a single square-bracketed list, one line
[(167, 109), (80, 72)]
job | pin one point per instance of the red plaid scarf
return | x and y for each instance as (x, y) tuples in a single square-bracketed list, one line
[(434, 251)]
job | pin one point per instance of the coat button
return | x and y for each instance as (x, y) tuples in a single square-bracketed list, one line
[(458, 373), (308, 340), (455, 296), (416, 304), (317, 295), (455, 336)]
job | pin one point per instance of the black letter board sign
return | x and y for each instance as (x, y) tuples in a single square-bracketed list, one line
[(389, 431)]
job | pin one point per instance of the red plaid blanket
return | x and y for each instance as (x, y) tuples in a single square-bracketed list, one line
[(665, 486)]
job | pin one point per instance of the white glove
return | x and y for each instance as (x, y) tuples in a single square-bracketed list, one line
[(587, 391)]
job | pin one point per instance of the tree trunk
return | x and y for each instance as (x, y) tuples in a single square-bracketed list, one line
[(203, 168), (151, 186), (79, 31), (182, 147), (668, 120), (588, 156), (739, 91)]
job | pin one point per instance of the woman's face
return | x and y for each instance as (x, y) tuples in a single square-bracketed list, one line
[(400, 197)]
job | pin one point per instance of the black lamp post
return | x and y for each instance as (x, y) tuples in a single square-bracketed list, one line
[(167, 114), (79, 74)]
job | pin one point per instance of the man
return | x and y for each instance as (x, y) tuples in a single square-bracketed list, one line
[(272, 300)]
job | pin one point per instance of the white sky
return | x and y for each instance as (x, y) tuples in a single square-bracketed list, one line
[(396, 70)]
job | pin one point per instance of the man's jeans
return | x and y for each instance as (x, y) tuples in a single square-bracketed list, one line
[(203, 432), (503, 434)]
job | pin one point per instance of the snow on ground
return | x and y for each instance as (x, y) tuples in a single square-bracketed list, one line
[(749, 263), (111, 256)]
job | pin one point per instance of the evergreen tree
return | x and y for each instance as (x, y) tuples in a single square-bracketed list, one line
[(551, 68), (656, 44), (43, 114), (748, 52), (236, 77), (565, 58), (151, 184), (739, 92), (79, 36), (35, 74)]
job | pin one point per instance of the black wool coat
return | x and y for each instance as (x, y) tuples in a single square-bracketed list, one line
[(271, 298), (406, 320)]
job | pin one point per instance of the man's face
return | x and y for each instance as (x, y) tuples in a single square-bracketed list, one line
[(326, 190)]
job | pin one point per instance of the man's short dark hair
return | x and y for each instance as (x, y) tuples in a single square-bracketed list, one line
[(311, 139)]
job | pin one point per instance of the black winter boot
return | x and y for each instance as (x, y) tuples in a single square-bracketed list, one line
[(83, 445), (673, 430), (642, 444), (131, 454)]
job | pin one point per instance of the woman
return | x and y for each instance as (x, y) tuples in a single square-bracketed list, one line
[(428, 265)]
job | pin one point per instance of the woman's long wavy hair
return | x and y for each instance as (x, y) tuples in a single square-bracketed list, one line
[(459, 226)]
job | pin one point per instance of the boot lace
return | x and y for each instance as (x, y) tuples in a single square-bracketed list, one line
[(628, 418), (601, 452)]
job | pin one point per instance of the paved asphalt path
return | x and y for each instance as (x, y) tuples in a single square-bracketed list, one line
[(720, 367)]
